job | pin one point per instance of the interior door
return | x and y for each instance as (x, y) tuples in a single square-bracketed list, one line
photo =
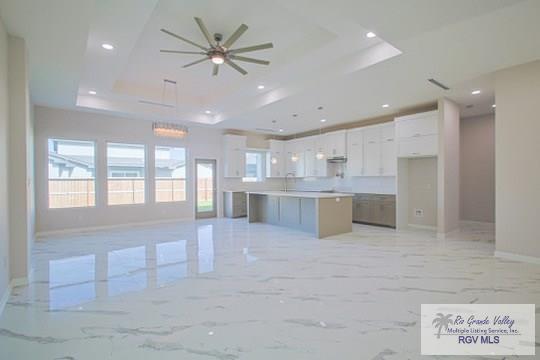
[(205, 188)]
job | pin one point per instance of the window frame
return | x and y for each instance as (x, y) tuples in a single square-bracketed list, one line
[(261, 164), (95, 144), (144, 146), (186, 178)]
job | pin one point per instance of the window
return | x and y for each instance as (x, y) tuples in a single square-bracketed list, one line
[(71, 173), (170, 174), (254, 167), (125, 173)]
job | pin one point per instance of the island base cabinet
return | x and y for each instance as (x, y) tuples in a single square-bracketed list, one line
[(321, 217), (375, 209)]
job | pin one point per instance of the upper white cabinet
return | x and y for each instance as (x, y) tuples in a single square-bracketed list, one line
[(355, 152), (417, 135), (388, 150), (372, 151), (335, 144), (234, 155), (275, 159)]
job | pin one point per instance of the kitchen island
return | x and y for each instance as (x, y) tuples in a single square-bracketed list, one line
[(322, 214)]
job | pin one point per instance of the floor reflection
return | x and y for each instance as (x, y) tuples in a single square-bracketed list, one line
[(71, 281), (126, 270), (205, 237), (171, 261), (77, 280)]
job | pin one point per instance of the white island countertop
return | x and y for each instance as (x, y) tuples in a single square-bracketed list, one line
[(302, 194)]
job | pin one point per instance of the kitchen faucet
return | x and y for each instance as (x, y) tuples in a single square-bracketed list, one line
[(286, 177)]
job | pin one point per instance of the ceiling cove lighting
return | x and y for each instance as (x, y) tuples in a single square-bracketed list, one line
[(371, 35), (92, 92), (385, 106), (169, 130), (476, 92), (107, 46)]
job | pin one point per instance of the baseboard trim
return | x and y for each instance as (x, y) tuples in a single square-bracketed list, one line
[(44, 234), (422, 227), (7, 293), (517, 257), (5, 298)]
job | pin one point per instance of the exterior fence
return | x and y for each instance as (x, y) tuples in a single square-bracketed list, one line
[(65, 193)]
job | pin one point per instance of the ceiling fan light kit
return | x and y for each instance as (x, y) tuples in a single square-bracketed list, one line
[(217, 52)]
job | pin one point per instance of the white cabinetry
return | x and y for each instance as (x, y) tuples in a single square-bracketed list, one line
[(235, 155), (335, 144), (275, 159), (417, 135), (355, 152), (372, 151), (388, 150)]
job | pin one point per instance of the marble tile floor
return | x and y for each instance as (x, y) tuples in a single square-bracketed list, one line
[(225, 289)]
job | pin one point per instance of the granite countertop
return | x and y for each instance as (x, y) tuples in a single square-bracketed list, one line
[(302, 194)]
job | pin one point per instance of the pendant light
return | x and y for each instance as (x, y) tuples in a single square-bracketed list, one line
[(167, 129), (294, 156), (320, 153)]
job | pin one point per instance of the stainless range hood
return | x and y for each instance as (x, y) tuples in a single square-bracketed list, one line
[(337, 159)]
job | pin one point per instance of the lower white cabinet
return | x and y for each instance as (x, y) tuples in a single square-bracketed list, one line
[(420, 146), (418, 135)]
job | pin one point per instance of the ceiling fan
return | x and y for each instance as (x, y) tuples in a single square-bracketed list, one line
[(219, 52)]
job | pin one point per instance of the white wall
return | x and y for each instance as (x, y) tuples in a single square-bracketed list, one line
[(4, 199), (448, 167), (422, 191), (517, 164), (202, 142), (477, 168), (20, 160)]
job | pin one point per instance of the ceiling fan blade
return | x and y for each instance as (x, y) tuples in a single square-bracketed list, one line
[(196, 62), (251, 60), (215, 70), (184, 39), (235, 67), (204, 30), (241, 29), (252, 48), (182, 52)]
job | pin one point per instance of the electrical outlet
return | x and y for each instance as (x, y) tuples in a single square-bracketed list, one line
[(419, 212)]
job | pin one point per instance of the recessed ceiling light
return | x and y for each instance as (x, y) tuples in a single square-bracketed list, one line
[(92, 92), (323, 120), (370, 35), (476, 92), (494, 105), (107, 46), (260, 87), (385, 105), (280, 130), (208, 112)]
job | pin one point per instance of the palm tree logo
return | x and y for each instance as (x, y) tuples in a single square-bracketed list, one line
[(442, 321)]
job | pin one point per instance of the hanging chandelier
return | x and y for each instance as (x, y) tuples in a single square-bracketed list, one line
[(170, 130)]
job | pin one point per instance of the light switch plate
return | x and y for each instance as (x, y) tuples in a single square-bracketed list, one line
[(419, 212)]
